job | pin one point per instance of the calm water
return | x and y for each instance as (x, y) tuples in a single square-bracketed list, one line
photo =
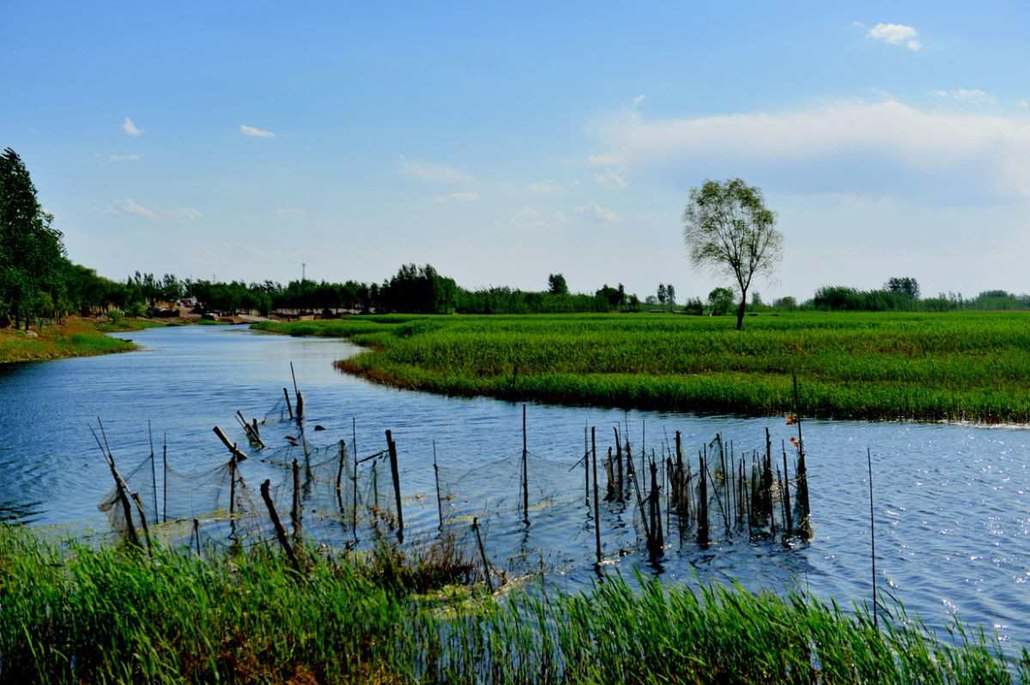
[(953, 502)]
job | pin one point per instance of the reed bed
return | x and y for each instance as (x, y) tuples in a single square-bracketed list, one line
[(72, 613), (950, 366)]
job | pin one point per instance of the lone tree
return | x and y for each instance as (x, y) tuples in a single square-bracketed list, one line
[(728, 227), (556, 285)]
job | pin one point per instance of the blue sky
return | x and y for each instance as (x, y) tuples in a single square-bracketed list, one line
[(505, 141)]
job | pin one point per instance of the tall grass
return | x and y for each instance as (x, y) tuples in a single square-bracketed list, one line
[(77, 614), (955, 366)]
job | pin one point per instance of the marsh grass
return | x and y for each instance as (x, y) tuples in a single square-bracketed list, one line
[(76, 614), (952, 366)]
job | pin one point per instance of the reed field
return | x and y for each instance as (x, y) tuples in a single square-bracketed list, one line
[(73, 613), (958, 366)]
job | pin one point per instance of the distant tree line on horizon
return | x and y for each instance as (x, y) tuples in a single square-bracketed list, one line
[(39, 283)]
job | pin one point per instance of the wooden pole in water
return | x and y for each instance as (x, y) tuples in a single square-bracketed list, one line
[(702, 503), (586, 464), (525, 470), (395, 474), (354, 478), (153, 468), (196, 534), (280, 532), (872, 533), (232, 498), (787, 522), (618, 458), (164, 464), (289, 407), (120, 487), (143, 521), (339, 478), (295, 519), (597, 504), (482, 555), (436, 475)]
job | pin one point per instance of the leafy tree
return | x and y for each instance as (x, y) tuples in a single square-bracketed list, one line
[(728, 227), (720, 301), (662, 293), (903, 285), (556, 285), (670, 295)]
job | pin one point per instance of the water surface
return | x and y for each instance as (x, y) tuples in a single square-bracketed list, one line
[(952, 515)]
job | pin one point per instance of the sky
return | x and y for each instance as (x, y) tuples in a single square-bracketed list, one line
[(502, 142)]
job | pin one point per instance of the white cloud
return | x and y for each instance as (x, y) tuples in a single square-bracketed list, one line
[(124, 158), (433, 172), (466, 196), (896, 34), (967, 95), (531, 218), (610, 178), (638, 101), (1023, 104), (921, 141), (130, 207), (602, 160), (544, 187), (598, 213), (130, 129), (255, 132)]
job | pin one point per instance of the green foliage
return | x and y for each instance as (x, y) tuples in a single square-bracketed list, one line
[(556, 285), (720, 301), (958, 366), (79, 614), (727, 226)]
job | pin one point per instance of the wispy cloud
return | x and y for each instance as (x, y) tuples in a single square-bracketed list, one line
[(611, 178), (896, 34), (974, 148), (967, 95), (255, 132), (544, 187), (129, 128), (434, 172), (129, 207), (124, 158), (598, 213), (466, 196)]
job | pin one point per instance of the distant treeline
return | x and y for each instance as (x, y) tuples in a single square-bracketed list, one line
[(902, 294)]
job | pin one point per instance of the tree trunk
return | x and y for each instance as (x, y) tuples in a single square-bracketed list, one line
[(741, 309)]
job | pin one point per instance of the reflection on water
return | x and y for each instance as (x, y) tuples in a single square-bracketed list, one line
[(953, 507)]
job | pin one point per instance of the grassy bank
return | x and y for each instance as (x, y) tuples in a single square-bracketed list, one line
[(78, 614), (73, 338), (955, 366)]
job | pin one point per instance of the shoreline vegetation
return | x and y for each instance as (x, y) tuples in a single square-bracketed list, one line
[(75, 337), (953, 366), (74, 613)]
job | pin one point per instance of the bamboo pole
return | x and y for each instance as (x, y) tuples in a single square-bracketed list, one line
[(164, 464), (872, 534), (295, 517), (289, 407), (143, 521), (153, 468)]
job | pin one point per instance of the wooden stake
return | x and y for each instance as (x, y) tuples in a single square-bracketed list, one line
[(295, 519), (482, 555), (280, 533), (525, 470), (597, 506), (143, 520), (872, 533), (153, 468), (164, 463), (436, 476), (289, 407), (395, 474)]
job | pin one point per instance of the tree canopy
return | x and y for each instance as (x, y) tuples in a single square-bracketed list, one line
[(728, 227)]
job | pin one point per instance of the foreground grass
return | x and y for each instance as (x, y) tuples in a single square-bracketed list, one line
[(77, 614), (955, 366), (74, 338)]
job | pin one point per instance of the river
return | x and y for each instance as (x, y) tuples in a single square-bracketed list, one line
[(952, 501)]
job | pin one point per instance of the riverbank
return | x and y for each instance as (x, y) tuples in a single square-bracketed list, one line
[(958, 366), (74, 338), (75, 613)]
